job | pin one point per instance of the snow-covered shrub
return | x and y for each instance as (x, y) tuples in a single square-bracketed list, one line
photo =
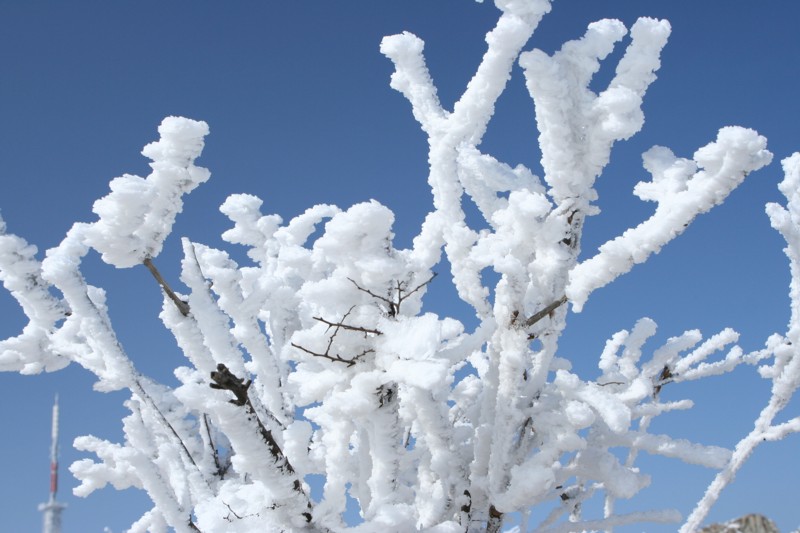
[(318, 357)]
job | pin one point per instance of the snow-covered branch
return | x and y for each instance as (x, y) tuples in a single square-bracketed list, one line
[(317, 361), (682, 192), (785, 369)]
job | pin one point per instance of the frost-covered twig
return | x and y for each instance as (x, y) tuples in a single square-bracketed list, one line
[(21, 274), (682, 192), (785, 371), (138, 214)]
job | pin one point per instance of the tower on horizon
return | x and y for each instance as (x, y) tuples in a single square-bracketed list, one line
[(52, 509)]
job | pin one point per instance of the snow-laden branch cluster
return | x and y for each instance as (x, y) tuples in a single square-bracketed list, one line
[(316, 362), (682, 192), (784, 372)]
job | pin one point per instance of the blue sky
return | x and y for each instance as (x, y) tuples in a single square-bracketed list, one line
[(300, 109)]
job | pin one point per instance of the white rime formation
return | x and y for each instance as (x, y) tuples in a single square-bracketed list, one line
[(317, 362)]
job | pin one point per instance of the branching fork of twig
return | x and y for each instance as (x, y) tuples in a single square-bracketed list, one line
[(339, 326), (394, 306)]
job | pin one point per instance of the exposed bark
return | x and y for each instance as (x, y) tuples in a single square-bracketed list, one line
[(536, 317), (397, 294), (495, 521), (182, 306), (224, 379), (336, 358)]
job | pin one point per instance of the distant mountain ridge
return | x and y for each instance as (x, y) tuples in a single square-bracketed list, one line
[(752, 523)]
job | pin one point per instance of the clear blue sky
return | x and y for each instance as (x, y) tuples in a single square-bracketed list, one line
[(300, 110)]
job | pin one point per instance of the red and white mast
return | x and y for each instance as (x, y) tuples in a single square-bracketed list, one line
[(52, 509)]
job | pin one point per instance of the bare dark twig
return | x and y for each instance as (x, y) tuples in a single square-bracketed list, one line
[(378, 297), (544, 312), (342, 325), (665, 377), (234, 513), (182, 306), (335, 358), (523, 431), (339, 326), (221, 470), (147, 398), (466, 509), (394, 306), (224, 379), (412, 291)]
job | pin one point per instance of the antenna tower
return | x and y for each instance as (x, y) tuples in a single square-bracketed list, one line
[(52, 509)]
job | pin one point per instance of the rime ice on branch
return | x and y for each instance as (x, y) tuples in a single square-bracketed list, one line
[(317, 359), (138, 214)]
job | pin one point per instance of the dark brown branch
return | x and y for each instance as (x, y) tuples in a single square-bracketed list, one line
[(466, 509), (221, 470), (182, 306), (234, 513), (415, 289), (523, 431), (362, 289), (337, 326), (394, 306), (495, 521), (665, 377), (224, 379), (386, 393), (348, 327), (575, 221), (335, 358), (231, 512), (545, 312), (336, 329)]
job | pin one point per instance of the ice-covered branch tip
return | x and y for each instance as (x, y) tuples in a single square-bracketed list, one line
[(473, 110), (682, 192), (787, 221), (138, 213), (578, 127), (21, 275), (412, 79)]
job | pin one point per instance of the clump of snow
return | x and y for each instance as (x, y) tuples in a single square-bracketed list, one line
[(136, 217)]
